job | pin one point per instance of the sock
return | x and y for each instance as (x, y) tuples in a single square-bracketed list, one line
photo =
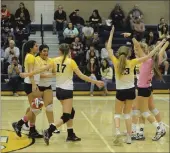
[(51, 129), (70, 132), (21, 122), (134, 127), (117, 131), (155, 124), (166, 72)]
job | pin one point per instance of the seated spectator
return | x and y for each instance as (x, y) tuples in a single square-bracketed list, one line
[(14, 69), (77, 21), (70, 33), (87, 31), (165, 64), (163, 33), (95, 20), (135, 13), (10, 52), (151, 38), (4, 13), (117, 16), (10, 36), (60, 17), (161, 24), (22, 17), (95, 40), (77, 50), (92, 70), (92, 52), (139, 29), (106, 73)]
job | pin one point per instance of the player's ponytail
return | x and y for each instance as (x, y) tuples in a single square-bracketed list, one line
[(123, 52), (64, 48), (156, 70)]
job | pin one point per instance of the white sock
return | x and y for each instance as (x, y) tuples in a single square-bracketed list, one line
[(166, 72), (161, 124), (155, 124), (134, 127), (117, 131)]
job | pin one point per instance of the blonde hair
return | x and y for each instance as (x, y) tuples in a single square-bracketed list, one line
[(144, 47), (123, 53)]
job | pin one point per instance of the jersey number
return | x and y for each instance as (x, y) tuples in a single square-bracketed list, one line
[(63, 68), (126, 71)]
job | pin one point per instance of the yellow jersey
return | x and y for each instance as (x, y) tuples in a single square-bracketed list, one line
[(30, 59), (64, 72), (45, 82), (126, 80)]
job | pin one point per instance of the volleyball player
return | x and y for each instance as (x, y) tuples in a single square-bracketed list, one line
[(31, 89), (125, 89), (65, 67), (145, 97)]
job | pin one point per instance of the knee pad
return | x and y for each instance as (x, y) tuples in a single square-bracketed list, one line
[(145, 114), (49, 108), (127, 116), (36, 111), (72, 113), (116, 116), (135, 112), (155, 111), (66, 117)]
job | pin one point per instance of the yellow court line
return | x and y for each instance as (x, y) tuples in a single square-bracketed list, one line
[(96, 130)]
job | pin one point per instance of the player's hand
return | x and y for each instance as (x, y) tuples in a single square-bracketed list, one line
[(113, 29), (126, 34), (24, 75), (100, 84)]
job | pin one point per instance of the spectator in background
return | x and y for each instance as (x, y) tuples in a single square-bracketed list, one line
[(165, 64), (163, 33), (95, 40), (60, 20), (14, 69), (161, 24), (92, 70), (77, 51), (77, 21), (117, 16), (92, 52), (106, 73), (135, 13), (70, 33), (22, 16), (139, 29), (10, 52), (4, 12), (151, 38), (95, 20)]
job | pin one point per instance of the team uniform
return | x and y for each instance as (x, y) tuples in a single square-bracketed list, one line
[(64, 77), (125, 86), (145, 78), (30, 59), (45, 83)]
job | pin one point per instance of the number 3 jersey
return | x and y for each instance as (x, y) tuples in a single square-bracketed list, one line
[(145, 74), (126, 80), (64, 72)]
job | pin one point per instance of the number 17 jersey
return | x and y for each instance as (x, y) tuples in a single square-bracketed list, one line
[(64, 72)]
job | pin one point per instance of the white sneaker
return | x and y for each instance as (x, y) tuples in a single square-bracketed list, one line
[(128, 139), (25, 128)]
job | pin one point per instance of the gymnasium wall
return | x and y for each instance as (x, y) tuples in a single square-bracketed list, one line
[(152, 9)]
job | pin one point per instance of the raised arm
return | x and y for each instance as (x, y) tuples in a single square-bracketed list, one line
[(109, 44), (152, 52)]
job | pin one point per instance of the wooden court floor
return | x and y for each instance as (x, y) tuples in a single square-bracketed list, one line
[(93, 123)]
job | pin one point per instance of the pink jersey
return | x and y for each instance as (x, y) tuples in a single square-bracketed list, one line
[(146, 74)]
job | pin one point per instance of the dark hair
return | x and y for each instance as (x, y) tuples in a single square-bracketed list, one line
[(14, 58), (22, 4), (162, 30), (72, 25), (65, 49), (161, 19), (41, 47), (28, 45), (97, 12), (107, 64)]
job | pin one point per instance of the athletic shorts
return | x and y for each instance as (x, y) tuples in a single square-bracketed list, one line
[(145, 92), (126, 94), (63, 94), (44, 88), (28, 88)]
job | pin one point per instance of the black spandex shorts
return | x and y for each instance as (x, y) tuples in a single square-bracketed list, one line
[(63, 94), (44, 88), (145, 92)]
